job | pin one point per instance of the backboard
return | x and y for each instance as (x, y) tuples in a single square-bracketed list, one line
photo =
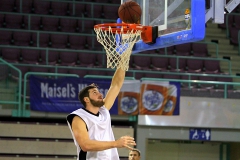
[(178, 21)]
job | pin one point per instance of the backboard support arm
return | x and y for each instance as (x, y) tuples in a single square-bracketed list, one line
[(217, 10)]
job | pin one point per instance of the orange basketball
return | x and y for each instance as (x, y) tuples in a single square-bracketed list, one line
[(130, 12)]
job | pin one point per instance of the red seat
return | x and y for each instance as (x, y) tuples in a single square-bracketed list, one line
[(68, 58), (30, 56)]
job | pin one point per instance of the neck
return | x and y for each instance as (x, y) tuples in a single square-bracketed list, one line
[(92, 109)]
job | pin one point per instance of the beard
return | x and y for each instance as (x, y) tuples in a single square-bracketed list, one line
[(98, 103)]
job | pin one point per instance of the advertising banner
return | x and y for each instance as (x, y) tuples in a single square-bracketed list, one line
[(136, 97)]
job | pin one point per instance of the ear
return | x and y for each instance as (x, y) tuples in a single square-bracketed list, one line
[(86, 99)]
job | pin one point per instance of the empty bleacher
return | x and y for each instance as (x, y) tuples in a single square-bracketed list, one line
[(43, 140)]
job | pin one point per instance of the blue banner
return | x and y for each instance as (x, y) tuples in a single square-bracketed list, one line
[(61, 95), (136, 97)]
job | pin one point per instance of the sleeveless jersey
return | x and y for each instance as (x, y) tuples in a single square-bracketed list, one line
[(99, 128)]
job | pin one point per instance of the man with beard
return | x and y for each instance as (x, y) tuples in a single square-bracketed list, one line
[(91, 126)]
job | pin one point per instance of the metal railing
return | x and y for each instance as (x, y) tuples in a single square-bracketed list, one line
[(226, 84), (16, 112), (74, 2), (22, 111), (239, 42), (227, 19), (188, 57)]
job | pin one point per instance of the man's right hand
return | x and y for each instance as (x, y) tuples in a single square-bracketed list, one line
[(125, 141)]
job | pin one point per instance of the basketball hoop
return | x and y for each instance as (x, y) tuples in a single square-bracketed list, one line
[(118, 40)]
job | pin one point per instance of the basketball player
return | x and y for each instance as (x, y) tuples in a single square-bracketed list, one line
[(91, 125), (134, 154)]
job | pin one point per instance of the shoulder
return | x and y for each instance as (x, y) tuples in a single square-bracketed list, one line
[(76, 113), (103, 109)]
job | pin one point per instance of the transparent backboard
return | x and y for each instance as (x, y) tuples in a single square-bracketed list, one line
[(178, 21)]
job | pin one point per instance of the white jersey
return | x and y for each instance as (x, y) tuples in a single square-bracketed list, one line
[(99, 128)]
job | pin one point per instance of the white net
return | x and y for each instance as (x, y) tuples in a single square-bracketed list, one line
[(118, 45)]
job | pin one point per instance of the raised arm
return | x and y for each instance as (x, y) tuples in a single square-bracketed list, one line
[(116, 85), (86, 144)]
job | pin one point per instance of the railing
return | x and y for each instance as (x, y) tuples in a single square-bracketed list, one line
[(205, 42), (211, 43), (239, 42), (187, 57), (74, 2), (17, 112), (99, 20), (25, 113), (197, 81), (103, 52), (227, 19)]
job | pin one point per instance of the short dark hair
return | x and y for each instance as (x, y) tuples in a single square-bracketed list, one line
[(84, 93), (136, 150)]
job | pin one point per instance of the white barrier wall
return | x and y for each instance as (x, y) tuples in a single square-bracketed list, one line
[(200, 112)]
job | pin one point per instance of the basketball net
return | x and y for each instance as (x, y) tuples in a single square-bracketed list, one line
[(118, 45)]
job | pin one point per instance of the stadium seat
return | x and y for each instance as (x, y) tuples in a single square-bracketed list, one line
[(230, 21), (169, 50), (234, 36), (8, 6), (79, 72), (97, 72), (183, 49), (68, 58), (200, 49), (53, 57), (36, 23), (139, 75), (153, 75), (27, 6), (77, 42), (4, 72), (212, 66), (44, 40), (16, 21), (30, 56), (195, 65), (58, 70), (61, 8), (51, 24), (59, 40), (39, 69), (22, 38), (102, 60), (186, 85), (224, 79), (87, 59), (160, 63), (181, 64), (11, 55), (83, 10), (110, 12), (171, 76), (95, 44), (237, 21), (142, 62), (99, 11), (69, 25), (14, 75), (88, 25), (6, 37), (41, 7), (207, 85)]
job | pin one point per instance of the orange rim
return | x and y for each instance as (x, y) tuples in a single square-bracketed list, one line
[(117, 27)]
